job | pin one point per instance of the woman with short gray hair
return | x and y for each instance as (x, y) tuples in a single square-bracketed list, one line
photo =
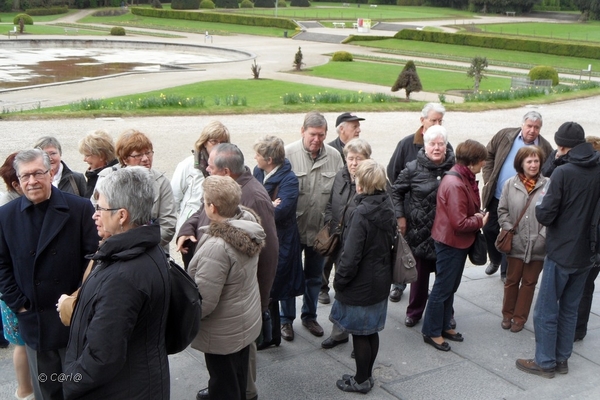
[(121, 313)]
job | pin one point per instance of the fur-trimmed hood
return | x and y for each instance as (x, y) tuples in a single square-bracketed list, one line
[(243, 232)]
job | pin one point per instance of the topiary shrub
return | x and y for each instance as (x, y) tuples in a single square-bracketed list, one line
[(264, 3), (408, 80), (117, 31), (300, 3), (281, 3), (544, 72), (27, 20), (185, 4), (246, 4), (207, 4), (156, 4), (341, 56)]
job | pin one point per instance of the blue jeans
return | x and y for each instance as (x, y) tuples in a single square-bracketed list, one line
[(555, 312), (313, 273), (449, 267)]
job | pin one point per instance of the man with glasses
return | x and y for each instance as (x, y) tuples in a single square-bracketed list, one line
[(406, 151), (44, 237)]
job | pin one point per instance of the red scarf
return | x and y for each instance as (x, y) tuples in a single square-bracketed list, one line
[(529, 183), (469, 175)]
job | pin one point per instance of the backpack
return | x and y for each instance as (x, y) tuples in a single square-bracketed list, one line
[(185, 310)]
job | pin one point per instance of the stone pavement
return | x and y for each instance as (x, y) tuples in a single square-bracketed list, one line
[(482, 367)]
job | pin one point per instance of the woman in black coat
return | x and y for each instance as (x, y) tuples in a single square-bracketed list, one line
[(117, 345), (414, 195), (364, 273), (274, 171)]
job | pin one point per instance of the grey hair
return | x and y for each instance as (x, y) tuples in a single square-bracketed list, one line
[(130, 188), (437, 107), (532, 116), (314, 119), (27, 156), (48, 141), (228, 155), (338, 128), (435, 132), (272, 147), (359, 146)]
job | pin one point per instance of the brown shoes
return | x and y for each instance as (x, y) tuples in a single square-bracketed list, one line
[(506, 323), (516, 327), (531, 367), (313, 327), (287, 332)]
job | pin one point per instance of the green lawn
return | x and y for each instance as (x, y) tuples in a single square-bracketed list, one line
[(589, 31), (494, 56), (262, 96), (433, 80), (57, 30), (181, 25), (336, 11), (8, 17)]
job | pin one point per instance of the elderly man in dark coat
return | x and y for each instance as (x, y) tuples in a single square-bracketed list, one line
[(227, 159), (44, 236)]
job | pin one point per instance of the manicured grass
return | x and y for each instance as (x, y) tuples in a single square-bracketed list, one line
[(337, 11), (262, 96), (8, 17), (433, 80), (182, 25), (58, 30), (589, 31), (494, 56)]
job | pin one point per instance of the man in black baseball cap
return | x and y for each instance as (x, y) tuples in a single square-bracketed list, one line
[(347, 126)]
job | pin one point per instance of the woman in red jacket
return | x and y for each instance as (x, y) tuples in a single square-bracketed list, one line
[(457, 220)]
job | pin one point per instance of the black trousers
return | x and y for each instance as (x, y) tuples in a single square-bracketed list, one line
[(228, 374), (585, 305), (490, 231), (45, 368)]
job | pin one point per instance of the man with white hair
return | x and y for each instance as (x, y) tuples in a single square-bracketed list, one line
[(347, 126)]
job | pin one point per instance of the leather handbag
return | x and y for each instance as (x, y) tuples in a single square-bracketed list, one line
[(327, 243), (404, 270), (478, 250), (504, 240)]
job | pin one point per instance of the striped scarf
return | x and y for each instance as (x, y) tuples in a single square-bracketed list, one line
[(529, 183)]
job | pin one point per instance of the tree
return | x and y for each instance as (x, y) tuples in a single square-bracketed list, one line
[(408, 80), (493, 6), (590, 9), (475, 71)]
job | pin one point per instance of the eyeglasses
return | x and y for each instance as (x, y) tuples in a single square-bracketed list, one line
[(140, 156), (37, 175), (98, 208)]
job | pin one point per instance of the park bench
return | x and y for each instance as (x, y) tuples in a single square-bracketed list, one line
[(373, 5), (346, 4), (355, 25), (13, 33), (67, 30), (519, 82), (339, 24), (510, 13), (587, 71)]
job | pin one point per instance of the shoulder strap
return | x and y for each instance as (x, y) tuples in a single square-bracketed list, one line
[(523, 212), (74, 185)]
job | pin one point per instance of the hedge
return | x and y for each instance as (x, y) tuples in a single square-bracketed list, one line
[(360, 38), (503, 42), (47, 11), (224, 18)]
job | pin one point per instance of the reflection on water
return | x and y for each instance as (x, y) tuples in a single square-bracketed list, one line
[(71, 68)]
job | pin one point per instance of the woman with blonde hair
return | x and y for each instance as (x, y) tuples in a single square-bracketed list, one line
[(189, 173), (98, 152), (364, 273)]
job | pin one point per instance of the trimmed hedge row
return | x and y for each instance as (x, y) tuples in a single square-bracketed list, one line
[(360, 38), (502, 42), (224, 18), (47, 11)]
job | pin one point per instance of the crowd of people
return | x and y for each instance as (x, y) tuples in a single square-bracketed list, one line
[(85, 284)]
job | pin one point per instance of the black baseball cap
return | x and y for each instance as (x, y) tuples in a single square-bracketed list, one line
[(347, 117)]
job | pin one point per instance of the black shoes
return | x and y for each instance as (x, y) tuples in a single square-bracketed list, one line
[(410, 322), (203, 394), (492, 268), (442, 347), (395, 295), (455, 337), (330, 342), (264, 345), (351, 385), (562, 367)]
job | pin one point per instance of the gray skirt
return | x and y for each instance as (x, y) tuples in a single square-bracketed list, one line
[(359, 320)]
